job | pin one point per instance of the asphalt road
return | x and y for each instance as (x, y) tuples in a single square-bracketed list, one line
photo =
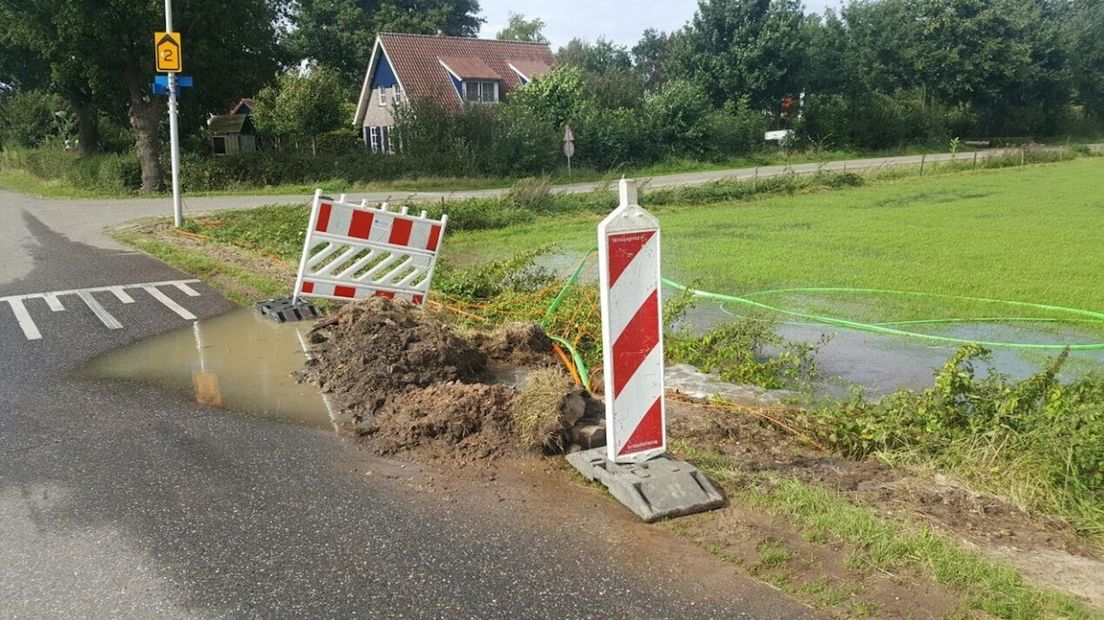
[(120, 500)]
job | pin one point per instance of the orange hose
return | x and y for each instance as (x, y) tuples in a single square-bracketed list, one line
[(567, 364)]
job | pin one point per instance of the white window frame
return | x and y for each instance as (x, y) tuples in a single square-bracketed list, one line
[(396, 94), (374, 139), (383, 96), (481, 101)]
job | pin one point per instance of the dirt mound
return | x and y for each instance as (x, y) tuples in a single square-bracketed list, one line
[(469, 421), (407, 380), (372, 350), (516, 344)]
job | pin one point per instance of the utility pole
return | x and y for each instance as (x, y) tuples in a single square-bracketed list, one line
[(174, 135)]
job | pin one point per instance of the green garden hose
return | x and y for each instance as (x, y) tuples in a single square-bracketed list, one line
[(1087, 316), (580, 365)]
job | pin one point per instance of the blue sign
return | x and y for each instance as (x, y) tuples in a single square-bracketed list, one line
[(160, 84)]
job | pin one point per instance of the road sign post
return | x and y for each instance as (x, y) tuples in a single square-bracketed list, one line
[(170, 59), (632, 337), (569, 146)]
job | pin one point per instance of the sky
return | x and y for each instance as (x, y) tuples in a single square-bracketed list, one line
[(621, 21)]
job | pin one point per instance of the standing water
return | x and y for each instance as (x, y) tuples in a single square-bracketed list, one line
[(239, 361)]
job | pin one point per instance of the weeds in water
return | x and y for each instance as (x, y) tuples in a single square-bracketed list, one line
[(1038, 442), (746, 351)]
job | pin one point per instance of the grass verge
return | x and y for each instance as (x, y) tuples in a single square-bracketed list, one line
[(885, 545)]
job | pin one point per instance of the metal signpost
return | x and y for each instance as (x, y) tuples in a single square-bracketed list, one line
[(569, 146), (170, 60)]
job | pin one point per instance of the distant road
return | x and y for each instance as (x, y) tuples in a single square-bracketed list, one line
[(112, 212)]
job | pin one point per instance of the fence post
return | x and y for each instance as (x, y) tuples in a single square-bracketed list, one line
[(975, 160), (923, 158), (1023, 155)]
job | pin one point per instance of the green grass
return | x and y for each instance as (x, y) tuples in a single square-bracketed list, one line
[(1027, 234), (24, 182), (888, 546), (241, 286)]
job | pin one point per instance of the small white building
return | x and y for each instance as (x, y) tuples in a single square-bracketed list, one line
[(453, 71)]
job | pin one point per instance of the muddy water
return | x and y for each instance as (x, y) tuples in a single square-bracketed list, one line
[(239, 362)]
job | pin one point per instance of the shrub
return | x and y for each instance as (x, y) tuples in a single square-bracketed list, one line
[(28, 119)]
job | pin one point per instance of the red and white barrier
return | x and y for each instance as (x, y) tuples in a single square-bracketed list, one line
[(632, 331), (353, 251)]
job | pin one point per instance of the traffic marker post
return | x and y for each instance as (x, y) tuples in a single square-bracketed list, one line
[(632, 331), (634, 466)]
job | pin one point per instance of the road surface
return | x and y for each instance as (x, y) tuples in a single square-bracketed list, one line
[(120, 500)]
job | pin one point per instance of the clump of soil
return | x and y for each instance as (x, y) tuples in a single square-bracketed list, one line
[(516, 344), (369, 352), (408, 380), (471, 421)]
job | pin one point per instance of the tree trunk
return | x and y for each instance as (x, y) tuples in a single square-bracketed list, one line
[(88, 137), (145, 117)]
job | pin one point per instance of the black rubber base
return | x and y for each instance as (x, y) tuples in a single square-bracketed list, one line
[(284, 310)]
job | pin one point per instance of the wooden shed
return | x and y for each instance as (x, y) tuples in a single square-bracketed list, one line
[(231, 134)]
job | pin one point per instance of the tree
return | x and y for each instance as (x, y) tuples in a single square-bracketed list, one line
[(520, 29), (1085, 48), (339, 34), (100, 56), (602, 56), (555, 97), (651, 56), (745, 47), (301, 104)]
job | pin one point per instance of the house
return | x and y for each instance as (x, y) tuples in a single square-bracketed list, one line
[(231, 133), (452, 71)]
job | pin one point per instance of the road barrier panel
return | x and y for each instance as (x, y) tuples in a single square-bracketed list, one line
[(632, 331), (353, 251)]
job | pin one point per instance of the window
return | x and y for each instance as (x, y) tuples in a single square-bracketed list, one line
[(218, 143), (385, 140), (480, 92), (383, 95), (396, 95), (374, 139)]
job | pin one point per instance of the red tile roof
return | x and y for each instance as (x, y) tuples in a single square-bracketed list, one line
[(531, 69), (416, 60), (469, 68)]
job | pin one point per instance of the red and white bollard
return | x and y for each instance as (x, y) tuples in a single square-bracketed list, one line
[(632, 331)]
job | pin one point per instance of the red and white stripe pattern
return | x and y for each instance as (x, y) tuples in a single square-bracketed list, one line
[(628, 242), (353, 251)]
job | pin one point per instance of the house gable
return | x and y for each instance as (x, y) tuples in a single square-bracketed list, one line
[(433, 68)]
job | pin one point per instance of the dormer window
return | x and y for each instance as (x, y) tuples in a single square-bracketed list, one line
[(480, 91)]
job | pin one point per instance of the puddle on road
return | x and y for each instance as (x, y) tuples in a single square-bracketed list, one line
[(240, 362)]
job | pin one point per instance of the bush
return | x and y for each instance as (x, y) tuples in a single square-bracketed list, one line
[(28, 119), (676, 118)]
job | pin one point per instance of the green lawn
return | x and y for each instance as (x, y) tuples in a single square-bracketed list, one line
[(1028, 234)]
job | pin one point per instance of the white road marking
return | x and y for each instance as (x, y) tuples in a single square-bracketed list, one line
[(30, 330), (170, 304), (104, 316), (122, 295), (53, 301), (187, 290)]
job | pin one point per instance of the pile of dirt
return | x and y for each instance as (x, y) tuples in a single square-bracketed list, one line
[(516, 344), (371, 351), (409, 381), (471, 421)]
